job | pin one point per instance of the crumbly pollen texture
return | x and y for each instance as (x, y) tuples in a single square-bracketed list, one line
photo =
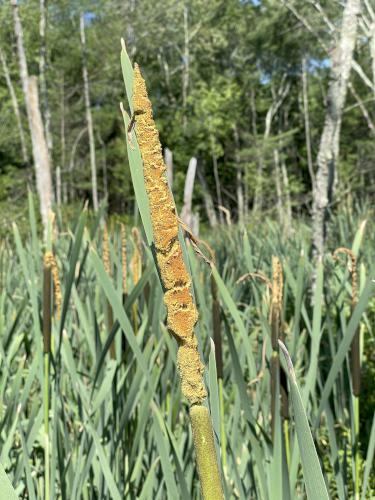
[(181, 311), (106, 258), (136, 261), (277, 297), (123, 259), (50, 261)]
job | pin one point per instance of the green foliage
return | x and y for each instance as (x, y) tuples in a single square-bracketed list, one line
[(209, 66), (117, 428)]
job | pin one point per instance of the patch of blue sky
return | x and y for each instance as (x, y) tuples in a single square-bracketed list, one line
[(89, 17), (314, 64)]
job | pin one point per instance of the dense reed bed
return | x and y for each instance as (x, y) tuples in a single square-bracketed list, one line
[(118, 426), (91, 403)]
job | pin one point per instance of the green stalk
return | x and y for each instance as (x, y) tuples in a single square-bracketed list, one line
[(204, 445), (47, 323), (287, 441), (216, 328), (223, 437), (356, 446)]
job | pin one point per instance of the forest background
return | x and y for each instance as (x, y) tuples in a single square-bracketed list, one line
[(242, 86)]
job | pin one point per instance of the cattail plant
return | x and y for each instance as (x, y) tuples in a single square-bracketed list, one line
[(275, 321), (136, 269), (124, 263), (181, 311), (107, 267), (49, 272), (216, 327), (355, 355)]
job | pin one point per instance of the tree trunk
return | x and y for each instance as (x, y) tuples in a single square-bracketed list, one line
[(42, 76), (186, 212), (239, 176), (168, 160), (372, 50), (279, 196), (277, 100), (209, 205), (16, 108), (287, 203), (217, 179), (329, 142), (90, 128), (38, 140), (62, 130), (186, 68), (40, 151), (72, 162), (58, 186), (307, 122), (105, 169)]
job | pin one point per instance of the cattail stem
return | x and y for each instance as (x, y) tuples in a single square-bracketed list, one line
[(287, 441), (355, 364), (107, 267), (208, 469), (356, 447), (47, 324), (275, 364), (223, 436), (275, 321), (216, 327)]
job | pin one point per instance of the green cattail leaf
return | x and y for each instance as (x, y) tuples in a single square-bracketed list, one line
[(105, 386), (358, 238), (369, 460), (164, 459), (314, 481), (148, 485), (33, 226), (118, 311), (136, 172), (6, 489), (334, 452), (315, 336), (234, 312), (127, 74), (276, 476), (74, 254), (184, 492), (345, 344), (27, 468), (245, 403), (214, 395), (106, 469)]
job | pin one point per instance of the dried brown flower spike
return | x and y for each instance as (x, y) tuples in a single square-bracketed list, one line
[(181, 310)]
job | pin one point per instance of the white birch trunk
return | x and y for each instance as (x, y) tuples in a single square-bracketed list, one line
[(168, 160), (306, 115), (208, 203), (42, 76), (16, 108), (40, 151), (38, 140), (329, 143), (239, 176), (186, 212), (90, 128)]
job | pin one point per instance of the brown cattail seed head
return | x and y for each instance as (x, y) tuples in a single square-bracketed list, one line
[(123, 259), (50, 261), (136, 262), (181, 311)]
